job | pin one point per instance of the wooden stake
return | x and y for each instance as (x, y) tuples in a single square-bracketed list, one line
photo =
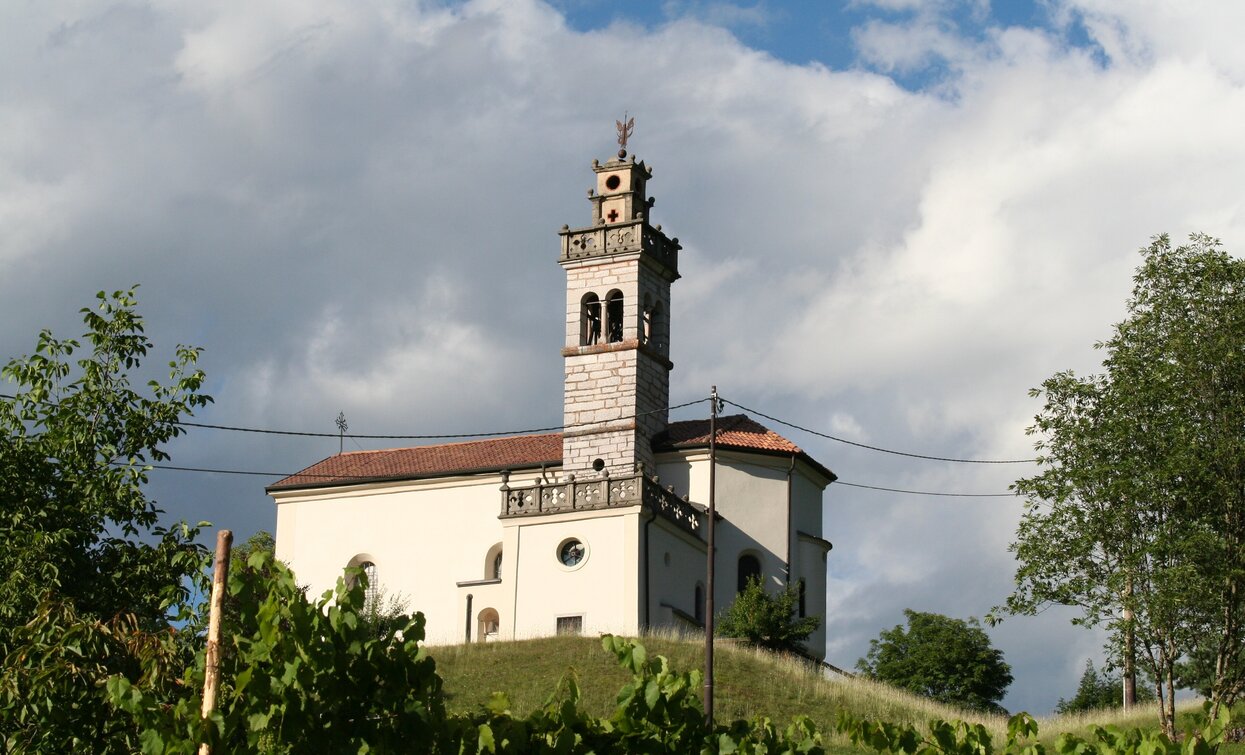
[(211, 677)]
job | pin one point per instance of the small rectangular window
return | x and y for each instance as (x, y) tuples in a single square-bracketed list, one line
[(570, 624)]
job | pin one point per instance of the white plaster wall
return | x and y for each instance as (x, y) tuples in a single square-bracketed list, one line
[(676, 564), (813, 566), (423, 539), (752, 496), (806, 512), (603, 588), (809, 559)]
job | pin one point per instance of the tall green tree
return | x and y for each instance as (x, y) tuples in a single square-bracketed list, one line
[(946, 659), (86, 562), (1137, 516), (1098, 690)]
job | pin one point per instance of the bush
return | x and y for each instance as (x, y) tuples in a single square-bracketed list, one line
[(767, 620)]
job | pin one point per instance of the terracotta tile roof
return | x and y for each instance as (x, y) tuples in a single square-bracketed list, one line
[(493, 454), (523, 452), (735, 431), (738, 431)]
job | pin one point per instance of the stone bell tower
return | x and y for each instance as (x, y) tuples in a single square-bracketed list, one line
[(618, 276)]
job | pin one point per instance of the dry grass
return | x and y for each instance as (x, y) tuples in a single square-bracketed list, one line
[(749, 683)]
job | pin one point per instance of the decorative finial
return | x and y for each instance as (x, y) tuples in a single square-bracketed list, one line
[(342, 427), (624, 133)]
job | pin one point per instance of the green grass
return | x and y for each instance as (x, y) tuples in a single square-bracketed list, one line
[(749, 683)]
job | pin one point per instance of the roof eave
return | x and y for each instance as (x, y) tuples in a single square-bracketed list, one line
[(279, 488), (803, 456)]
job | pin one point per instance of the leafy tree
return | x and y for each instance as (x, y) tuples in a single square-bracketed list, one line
[(946, 659), (383, 612), (232, 620), (767, 620), (239, 563), (240, 554), (1138, 515), (52, 685), (88, 576), (1196, 670), (1098, 690), (301, 676)]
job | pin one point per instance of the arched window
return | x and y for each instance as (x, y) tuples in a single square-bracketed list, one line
[(492, 562), (489, 625), (367, 570), (646, 320), (698, 608), (589, 320), (749, 568), (614, 317), (373, 584), (656, 327)]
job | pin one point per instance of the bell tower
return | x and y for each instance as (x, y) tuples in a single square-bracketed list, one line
[(618, 275)]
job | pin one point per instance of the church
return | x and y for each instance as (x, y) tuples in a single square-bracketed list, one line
[(600, 527)]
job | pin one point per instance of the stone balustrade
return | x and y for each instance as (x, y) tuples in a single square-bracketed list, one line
[(618, 238), (600, 493)]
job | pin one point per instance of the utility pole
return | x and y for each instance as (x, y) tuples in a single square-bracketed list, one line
[(211, 676), (713, 512), (1130, 651)]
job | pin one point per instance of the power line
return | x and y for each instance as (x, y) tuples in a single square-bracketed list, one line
[(267, 431), (879, 448), (491, 434), (170, 468), (554, 428), (348, 478), (925, 492)]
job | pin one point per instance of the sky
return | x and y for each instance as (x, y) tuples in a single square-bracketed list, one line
[(897, 217)]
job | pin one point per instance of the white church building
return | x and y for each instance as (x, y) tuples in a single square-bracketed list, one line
[(598, 528)]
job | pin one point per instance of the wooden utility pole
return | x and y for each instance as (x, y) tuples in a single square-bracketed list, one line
[(713, 463), (211, 677), (1130, 652)]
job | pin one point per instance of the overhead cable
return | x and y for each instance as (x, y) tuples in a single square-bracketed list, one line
[(348, 478), (555, 428), (878, 448), (924, 492), (443, 436)]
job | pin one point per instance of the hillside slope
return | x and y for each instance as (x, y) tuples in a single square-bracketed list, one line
[(749, 683)]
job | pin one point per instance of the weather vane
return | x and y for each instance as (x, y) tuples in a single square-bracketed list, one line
[(624, 133)]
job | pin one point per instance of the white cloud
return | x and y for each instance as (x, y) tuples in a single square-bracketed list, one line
[(1146, 32), (908, 46)]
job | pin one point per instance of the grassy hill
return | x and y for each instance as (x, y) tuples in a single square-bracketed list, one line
[(748, 683)]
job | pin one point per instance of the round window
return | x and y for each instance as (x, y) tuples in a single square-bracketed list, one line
[(571, 552), (613, 182)]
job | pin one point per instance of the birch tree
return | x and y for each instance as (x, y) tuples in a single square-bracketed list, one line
[(1137, 515)]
